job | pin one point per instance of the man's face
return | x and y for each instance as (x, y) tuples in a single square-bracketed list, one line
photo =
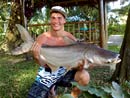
[(57, 21)]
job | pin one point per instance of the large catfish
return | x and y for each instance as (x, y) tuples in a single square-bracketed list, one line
[(68, 55)]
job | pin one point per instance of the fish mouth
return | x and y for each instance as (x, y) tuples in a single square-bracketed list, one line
[(115, 60)]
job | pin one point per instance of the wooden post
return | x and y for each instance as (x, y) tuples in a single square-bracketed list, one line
[(102, 30), (106, 26)]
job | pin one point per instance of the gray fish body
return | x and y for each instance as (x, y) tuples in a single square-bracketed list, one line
[(71, 55), (68, 55)]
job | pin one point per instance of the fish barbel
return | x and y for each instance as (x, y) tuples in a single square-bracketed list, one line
[(68, 55)]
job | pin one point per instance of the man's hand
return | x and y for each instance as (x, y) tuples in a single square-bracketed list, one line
[(36, 53), (80, 65)]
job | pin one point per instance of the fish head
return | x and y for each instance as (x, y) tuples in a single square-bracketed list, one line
[(100, 56), (113, 60)]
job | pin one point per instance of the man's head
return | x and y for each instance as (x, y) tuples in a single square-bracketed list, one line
[(57, 18), (58, 9)]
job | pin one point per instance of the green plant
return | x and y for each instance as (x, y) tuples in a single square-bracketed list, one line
[(116, 29), (113, 91)]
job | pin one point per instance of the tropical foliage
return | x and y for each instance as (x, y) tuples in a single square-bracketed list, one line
[(113, 91), (4, 17)]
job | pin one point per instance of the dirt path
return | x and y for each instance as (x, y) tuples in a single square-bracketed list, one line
[(115, 40)]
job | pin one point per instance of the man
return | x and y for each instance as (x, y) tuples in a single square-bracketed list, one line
[(46, 80)]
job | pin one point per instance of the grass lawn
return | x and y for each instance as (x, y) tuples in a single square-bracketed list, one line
[(17, 75)]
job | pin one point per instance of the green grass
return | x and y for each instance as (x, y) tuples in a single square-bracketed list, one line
[(114, 48), (16, 76)]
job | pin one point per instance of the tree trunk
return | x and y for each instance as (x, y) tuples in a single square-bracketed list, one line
[(122, 72)]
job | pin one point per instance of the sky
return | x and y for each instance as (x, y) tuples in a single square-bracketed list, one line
[(116, 4)]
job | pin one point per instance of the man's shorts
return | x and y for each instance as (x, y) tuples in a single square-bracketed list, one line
[(38, 91), (45, 80)]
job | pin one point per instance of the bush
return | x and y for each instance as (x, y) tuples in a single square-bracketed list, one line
[(116, 29)]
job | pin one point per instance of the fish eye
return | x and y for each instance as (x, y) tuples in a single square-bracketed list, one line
[(108, 62)]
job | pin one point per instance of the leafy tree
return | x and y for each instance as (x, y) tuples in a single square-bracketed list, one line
[(17, 16), (81, 13), (4, 17)]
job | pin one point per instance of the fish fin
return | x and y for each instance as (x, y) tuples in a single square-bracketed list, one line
[(53, 68), (25, 36), (68, 68), (81, 40), (86, 64), (28, 41), (68, 40)]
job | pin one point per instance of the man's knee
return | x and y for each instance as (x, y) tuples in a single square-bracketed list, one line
[(82, 77)]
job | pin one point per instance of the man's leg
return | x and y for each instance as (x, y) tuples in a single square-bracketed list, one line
[(44, 81), (82, 77), (65, 81)]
